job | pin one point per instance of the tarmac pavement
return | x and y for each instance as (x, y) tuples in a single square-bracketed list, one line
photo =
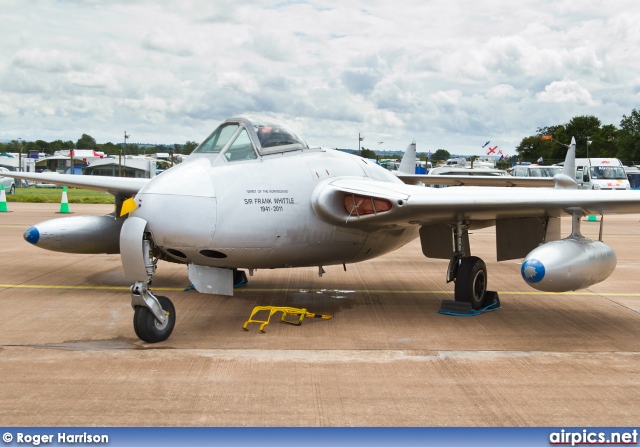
[(69, 355)]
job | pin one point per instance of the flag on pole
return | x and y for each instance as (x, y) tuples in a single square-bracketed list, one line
[(540, 160)]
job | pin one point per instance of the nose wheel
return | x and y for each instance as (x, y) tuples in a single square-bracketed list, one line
[(148, 328), (154, 316)]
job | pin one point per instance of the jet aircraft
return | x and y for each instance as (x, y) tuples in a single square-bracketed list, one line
[(254, 195)]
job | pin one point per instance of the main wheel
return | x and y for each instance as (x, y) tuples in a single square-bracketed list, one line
[(471, 281), (148, 328), (12, 190)]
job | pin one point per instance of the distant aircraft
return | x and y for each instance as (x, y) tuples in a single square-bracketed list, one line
[(254, 195)]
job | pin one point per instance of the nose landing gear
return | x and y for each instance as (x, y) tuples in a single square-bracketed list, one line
[(154, 317)]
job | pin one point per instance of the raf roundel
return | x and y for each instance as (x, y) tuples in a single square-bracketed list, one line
[(532, 271)]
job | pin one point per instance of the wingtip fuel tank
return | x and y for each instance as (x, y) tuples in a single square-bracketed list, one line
[(569, 264)]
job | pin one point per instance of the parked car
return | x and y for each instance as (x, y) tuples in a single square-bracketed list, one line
[(535, 171), (46, 185), (8, 182)]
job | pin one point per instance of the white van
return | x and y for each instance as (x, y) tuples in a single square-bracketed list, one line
[(601, 173)]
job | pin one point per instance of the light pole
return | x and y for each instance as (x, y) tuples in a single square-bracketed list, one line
[(360, 138), (20, 155), (588, 144), (122, 152)]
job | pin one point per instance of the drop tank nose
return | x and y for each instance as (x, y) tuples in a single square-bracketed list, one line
[(78, 234), (32, 235)]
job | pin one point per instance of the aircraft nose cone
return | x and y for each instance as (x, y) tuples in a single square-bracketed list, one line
[(32, 235), (180, 206)]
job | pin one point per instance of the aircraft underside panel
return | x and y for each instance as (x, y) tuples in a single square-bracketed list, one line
[(211, 280), (336, 247), (385, 241)]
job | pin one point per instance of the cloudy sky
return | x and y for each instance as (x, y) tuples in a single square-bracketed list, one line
[(450, 74)]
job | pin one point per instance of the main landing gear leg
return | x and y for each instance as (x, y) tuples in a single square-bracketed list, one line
[(154, 316), (468, 272)]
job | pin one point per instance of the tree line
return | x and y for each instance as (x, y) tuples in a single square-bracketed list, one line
[(592, 137), (88, 142), (603, 141)]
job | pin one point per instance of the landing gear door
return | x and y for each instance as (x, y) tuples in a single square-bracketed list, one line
[(437, 241), (132, 250), (515, 238)]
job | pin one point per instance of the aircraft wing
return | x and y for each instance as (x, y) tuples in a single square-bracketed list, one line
[(123, 186), (370, 203), (477, 180)]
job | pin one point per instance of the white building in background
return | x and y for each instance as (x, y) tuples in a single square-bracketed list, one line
[(12, 161), (127, 166)]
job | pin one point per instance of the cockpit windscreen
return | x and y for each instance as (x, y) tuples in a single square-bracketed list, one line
[(218, 139)]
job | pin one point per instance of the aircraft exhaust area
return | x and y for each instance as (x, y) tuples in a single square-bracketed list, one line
[(69, 354)]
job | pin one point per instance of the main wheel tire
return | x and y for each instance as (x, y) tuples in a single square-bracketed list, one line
[(471, 281), (148, 328), (12, 190)]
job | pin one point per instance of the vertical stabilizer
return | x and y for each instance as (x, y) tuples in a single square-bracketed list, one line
[(566, 180), (408, 163)]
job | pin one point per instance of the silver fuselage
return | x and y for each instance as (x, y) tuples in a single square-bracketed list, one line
[(258, 213)]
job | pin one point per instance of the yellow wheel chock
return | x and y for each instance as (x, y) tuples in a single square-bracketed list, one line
[(300, 314)]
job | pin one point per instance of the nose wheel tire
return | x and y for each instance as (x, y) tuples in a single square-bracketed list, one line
[(471, 281), (148, 328)]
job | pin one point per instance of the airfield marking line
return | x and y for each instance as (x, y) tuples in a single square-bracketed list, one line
[(620, 304), (58, 269), (316, 291), (27, 286)]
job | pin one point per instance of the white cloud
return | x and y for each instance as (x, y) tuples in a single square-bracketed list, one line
[(159, 40), (565, 91), (51, 60), (446, 73), (448, 98), (502, 91)]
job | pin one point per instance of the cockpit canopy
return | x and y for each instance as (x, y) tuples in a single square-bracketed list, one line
[(244, 136)]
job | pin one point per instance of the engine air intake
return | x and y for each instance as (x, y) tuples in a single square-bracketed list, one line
[(357, 205)]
